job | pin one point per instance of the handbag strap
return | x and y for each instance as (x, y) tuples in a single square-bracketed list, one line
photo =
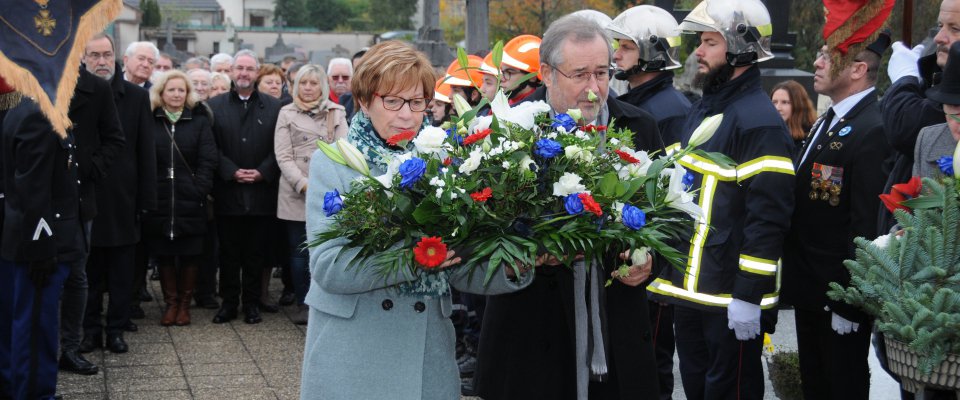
[(179, 153)]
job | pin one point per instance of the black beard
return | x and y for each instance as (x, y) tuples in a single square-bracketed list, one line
[(713, 78)]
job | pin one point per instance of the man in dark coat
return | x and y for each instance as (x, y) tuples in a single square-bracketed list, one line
[(528, 345), (98, 141), (121, 195), (41, 241), (843, 159), (246, 189)]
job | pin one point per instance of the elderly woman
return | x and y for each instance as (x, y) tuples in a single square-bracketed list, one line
[(374, 337), (270, 80), (219, 83), (309, 118), (200, 78), (186, 158)]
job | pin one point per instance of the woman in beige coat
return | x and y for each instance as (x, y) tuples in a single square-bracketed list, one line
[(309, 118)]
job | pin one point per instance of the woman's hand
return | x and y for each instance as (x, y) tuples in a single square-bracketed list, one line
[(634, 275)]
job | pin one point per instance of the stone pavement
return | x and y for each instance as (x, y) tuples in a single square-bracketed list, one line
[(238, 361)]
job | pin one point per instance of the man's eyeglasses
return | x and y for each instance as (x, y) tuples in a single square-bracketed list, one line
[(340, 77), (584, 76), (96, 56), (394, 103)]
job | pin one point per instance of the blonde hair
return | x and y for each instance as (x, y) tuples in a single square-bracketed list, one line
[(157, 89), (311, 70), (389, 67), (219, 75)]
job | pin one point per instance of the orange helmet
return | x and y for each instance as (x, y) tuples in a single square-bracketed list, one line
[(523, 53), (458, 76), (487, 66), (442, 91)]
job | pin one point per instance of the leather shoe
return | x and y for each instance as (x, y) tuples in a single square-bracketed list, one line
[(131, 327), (207, 302), (269, 308), (90, 343), (116, 344), (71, 361), (287, 299), (226, 314), (251, 314)]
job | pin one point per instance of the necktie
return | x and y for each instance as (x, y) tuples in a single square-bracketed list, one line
[(820, 134)]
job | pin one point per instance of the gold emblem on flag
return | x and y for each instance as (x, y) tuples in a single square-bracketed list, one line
[(42, 21)]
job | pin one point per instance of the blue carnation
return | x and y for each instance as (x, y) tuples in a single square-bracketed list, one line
[(332, 202), (411, 171), (573, 204), (548, 148), (946, 165), (564, 121), (633, 217), (687, 180), (452, 133)]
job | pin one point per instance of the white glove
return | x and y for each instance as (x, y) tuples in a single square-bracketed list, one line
[(744, 319), (903, 61), (842, 326)]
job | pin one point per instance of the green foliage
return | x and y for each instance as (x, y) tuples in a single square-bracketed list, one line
[(388, 15), (912, 286), (151, 13), (326, 15), (293, 12), (785, 375)]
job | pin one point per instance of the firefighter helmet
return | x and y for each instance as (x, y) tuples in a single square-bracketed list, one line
[(744, 24)]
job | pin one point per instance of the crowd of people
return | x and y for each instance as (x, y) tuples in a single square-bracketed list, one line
[(207, 173)]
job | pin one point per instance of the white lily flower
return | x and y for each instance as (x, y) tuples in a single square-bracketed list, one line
[(705, 131), (617, 211), (640, 256), (461, 104), (956, 160), (568, 184), (575, 152), (430, 140), (677, 195), (353, 157), (575, 113)]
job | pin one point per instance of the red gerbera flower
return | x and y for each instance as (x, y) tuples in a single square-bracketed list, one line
[(430, 252), (626, 157), (447, 161), (590, 204), (901, 192), (482, 195), (401, 138), (476, 137)]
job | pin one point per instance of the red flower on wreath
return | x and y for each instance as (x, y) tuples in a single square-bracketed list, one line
[(476, 137), (447, 161), (401, 138), (482, 195), (901, 192), (430, 252), (626, 157), (590, 204), (591, 128)]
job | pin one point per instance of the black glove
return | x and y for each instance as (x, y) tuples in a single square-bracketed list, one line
[(41, 270)]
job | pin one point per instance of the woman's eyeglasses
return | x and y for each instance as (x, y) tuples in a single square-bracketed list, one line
[(394, 103)]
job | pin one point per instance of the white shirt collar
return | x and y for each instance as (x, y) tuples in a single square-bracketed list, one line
[(844, 106)]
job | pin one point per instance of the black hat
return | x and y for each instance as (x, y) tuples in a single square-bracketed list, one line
[(948, 90), (882, 43)]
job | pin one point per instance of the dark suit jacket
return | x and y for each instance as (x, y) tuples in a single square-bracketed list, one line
[(42, 203), (527, 341), (131, 184), (97, 134), (821, 235)]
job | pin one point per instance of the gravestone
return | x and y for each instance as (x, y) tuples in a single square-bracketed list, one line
[(430, 37)]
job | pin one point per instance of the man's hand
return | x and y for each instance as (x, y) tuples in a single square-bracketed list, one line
[(41, 270), (254, 175), (240, 175), (635, 274), (744, 319), (903, 61)]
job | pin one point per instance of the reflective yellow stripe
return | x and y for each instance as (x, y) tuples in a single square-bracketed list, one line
[(708, 188), (663, 287), (765, 30), (758, 265), (707, 167), (764, 164), (674, 41)]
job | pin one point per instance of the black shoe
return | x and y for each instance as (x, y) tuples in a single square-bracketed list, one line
[(91, 343), (131, 327), (287, 299), (136, 312), (251, 314), (466, 387), (207, 302), (71, 361), (145, 295), (116, 344), (269, 308), (226, 314)]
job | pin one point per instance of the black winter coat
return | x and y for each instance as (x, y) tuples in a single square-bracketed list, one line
[(182, 201), (41, 194), (131, 185), (97, 134), (244, 135), (664, 102), (527, 343)]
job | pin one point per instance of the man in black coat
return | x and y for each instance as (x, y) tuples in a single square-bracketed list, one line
[(98, 141), (121, 195), (528, 343), (838, 181), (246, 189), (41, 241)]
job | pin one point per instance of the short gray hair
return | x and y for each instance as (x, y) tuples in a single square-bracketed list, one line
[(340, 61), (247, 53), (307, 70), (132, 48), (205, 73), (221, 58), (572, 27)]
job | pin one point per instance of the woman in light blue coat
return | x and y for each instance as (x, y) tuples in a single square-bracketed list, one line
[(369, 337)]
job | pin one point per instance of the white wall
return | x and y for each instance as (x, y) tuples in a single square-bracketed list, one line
[(261, 40)]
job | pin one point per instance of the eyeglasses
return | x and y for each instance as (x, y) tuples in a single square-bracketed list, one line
[(394, 103), (584, 77), (96, 56), (340, 77)]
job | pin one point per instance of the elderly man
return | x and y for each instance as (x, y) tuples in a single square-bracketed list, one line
[(222, 63), (534, 343), (200, 78), (339, 72), (121, 195), (246, 191), (138, 63)]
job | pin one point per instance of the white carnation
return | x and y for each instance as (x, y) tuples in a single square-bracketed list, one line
[(430, 140), (471, 163), (568, 184)]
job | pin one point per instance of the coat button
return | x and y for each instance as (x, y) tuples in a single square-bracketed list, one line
[(419, 307), (819, 146), (387, 304)]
